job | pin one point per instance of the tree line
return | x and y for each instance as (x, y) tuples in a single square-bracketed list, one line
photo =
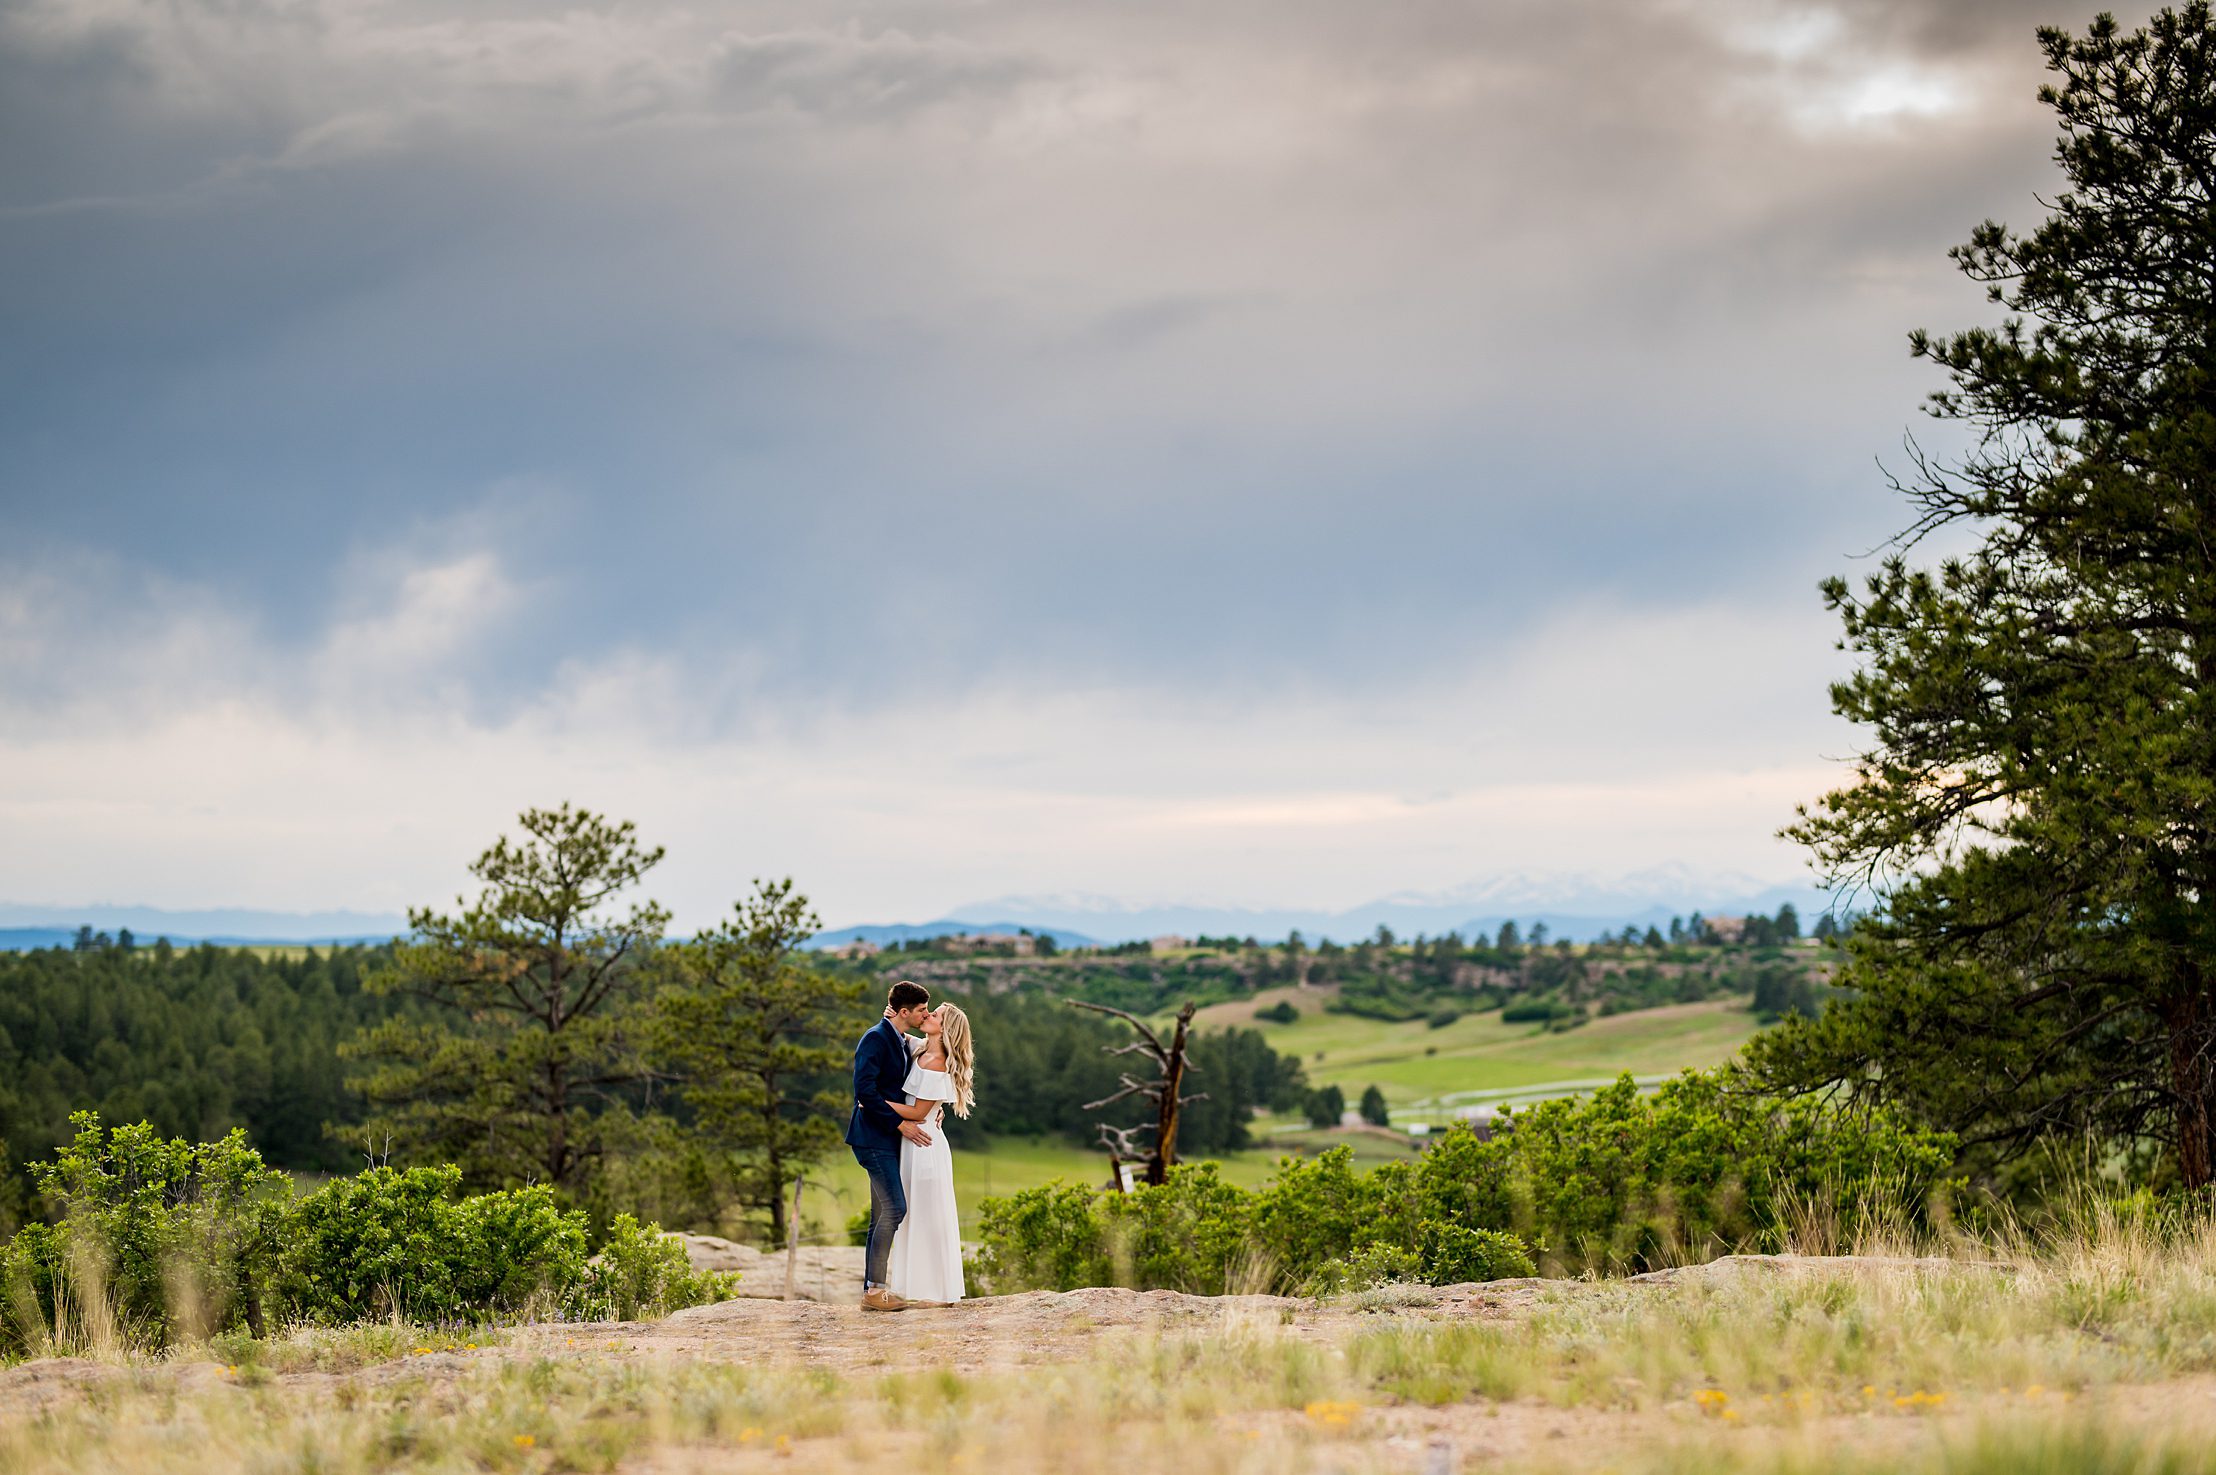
[(547, 1032)]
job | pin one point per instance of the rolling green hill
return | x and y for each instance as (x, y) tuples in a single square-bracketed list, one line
[(1479, 1055), (1425, 1073)]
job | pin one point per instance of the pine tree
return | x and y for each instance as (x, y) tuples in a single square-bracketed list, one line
[(533, 1044), (761, 1039), (2036, 806)]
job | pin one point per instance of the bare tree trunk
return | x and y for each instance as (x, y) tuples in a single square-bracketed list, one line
[(1170, 1067), (2193, 1082), (792, 1233), (1173, 1080)]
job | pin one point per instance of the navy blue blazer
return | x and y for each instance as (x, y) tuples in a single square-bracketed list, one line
[(880, 1070)]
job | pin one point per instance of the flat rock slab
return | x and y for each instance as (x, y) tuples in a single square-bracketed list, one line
[(1033, 1327), (1730, 1267), (820, 1272)]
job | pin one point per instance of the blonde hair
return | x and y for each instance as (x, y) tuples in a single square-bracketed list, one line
[(954, 1040)]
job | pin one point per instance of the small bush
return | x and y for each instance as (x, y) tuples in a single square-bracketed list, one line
[(1049, 1238), (516, 1249), (1529, 1011), (1441, 1018), (857, 1228), (1190, 1234), (1281, 1012), (1451, 1254), (1364, 1270), (643, 1273), (161, 1239), (393, 1242), (156, 1238)]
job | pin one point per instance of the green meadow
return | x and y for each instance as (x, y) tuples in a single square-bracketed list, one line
[(1424, 1073), (1479, 1056)]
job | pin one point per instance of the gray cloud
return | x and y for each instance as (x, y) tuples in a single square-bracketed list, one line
[(1240, 345)]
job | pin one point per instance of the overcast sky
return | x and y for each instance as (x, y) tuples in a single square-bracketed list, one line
[(1260, 451)]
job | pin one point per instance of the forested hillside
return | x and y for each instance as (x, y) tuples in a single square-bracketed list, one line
[(1385, 977), (195, 1041), (200, 1040)]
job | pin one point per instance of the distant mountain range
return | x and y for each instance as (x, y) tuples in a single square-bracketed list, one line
[(892, 932), (1578, 907), (24, 926), (1574, 906)]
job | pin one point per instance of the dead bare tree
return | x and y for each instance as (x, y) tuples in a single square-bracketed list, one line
[(1170, 1067)]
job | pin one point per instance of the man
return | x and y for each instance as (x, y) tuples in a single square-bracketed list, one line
[(874, 1132)]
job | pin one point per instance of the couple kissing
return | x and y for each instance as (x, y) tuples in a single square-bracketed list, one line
[(903, 1083)]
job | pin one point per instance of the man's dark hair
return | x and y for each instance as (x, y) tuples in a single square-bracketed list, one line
[(906, 995)]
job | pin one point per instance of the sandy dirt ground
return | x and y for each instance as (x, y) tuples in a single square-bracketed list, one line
[(1039, 1329)]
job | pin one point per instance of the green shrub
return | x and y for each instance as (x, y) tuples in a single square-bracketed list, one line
[(155, 1238), (1281, 1012), (1615, 1182), (399, 1243), (516, 1250), (1189, 1234), (857, 1228), (1364, 1270), (1533, 1011), (1451, 1254), (643, 1273), (1317, 1210), (1049, 1238), (158, 1239), (1441, 1018)]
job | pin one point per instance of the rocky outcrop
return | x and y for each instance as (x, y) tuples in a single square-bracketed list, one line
[(820, 1272)]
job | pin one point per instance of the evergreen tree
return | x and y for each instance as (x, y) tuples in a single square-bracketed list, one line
[(527, 1062), (1374, 1110), (2037, 801), (760, 1040)]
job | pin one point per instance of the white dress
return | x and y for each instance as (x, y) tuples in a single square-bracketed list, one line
[(926, 1261)]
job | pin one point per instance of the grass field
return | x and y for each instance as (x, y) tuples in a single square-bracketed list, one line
[(1477, 1054), (1417, 1067), (2084, 1354)]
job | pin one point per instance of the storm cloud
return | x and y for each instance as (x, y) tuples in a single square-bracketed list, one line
[(932, 448)]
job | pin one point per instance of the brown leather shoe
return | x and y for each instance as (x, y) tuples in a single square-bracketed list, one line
[(879, 1299)]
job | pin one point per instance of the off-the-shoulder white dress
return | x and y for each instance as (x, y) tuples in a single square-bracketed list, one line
[(927, 1252)]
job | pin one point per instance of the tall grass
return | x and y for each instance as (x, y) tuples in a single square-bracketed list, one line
[(1952, 1365)]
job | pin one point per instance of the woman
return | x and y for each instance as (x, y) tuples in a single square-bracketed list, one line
[(927, 1251)]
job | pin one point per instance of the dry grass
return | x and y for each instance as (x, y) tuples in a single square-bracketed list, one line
[(2095, 1352)]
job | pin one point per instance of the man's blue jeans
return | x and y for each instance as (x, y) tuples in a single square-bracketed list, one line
[(888, 1205)]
